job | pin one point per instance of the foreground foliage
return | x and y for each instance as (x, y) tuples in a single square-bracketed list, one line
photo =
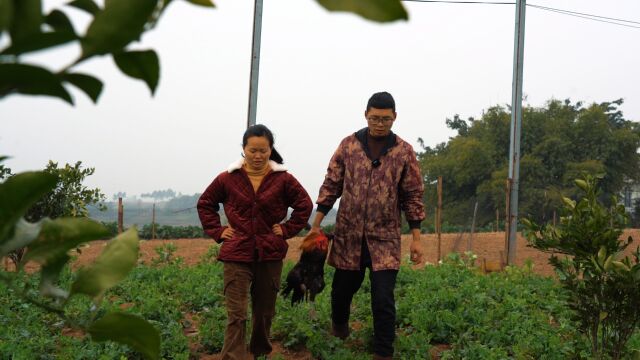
[(48, 243), (514, 314), (111, 31)]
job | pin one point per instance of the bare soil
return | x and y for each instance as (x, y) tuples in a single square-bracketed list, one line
[(487, 246)]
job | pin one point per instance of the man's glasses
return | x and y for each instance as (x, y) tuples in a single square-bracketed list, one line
[(380, 120)]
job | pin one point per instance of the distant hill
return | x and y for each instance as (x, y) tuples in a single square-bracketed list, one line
[(179, 211)]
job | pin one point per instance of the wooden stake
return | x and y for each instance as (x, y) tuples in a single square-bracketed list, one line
[(120, 216), (473, 227), (439, 219), (497, 220), (507, 221), (153, 223)]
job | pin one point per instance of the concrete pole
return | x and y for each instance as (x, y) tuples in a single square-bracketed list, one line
[(516, 127), (255, 63)]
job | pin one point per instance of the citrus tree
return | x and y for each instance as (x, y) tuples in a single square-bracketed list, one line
[(587, 254)]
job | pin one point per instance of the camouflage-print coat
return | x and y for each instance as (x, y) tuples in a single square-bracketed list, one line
[(371, 200)]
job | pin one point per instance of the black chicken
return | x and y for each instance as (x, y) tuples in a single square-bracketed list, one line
[(306, 278)]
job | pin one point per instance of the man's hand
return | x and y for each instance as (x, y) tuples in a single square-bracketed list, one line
[(314, 230), (315, 227), (417, 252), (227, 233), (277, 229)]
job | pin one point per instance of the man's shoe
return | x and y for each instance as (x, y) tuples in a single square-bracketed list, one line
[(340, 331)]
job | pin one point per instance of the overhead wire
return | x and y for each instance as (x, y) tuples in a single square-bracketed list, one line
[(462, 2), (598, 18), (583, 14), (588, 16)]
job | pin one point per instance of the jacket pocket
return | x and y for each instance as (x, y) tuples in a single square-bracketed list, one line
[(280, 244)]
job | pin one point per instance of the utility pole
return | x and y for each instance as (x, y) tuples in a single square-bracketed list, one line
[(516, 127), (255, 63)]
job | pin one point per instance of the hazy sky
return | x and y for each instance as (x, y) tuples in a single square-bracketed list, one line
[(317, 71)]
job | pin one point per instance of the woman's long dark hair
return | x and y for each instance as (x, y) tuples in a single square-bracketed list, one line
[(261, 130)]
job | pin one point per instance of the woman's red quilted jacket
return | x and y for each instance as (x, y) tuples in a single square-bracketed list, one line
[(252, 214)]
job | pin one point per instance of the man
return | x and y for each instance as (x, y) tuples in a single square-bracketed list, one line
[(376, 174)]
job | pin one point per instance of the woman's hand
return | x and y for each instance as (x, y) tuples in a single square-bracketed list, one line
[(277, 229), (227, 233)]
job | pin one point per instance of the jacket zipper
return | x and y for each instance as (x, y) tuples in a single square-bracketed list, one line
[(256, 254)]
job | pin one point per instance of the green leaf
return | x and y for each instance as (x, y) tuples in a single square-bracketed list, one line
[(86, 5), (6, 14), (607, 263), (582, 184), (40, 41), (59, 236), (24, 233), (569, 203), (31, 80), (143, 65), (128, 329), (114, 263), (602, 253), (59, 21), (29, 13), (620, 266), (89, 84), (18, 193), (603, 315), (376, 10), (118, 24), (205, 3), (597, 266)]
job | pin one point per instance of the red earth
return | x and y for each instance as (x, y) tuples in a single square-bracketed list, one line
[(489, 247)]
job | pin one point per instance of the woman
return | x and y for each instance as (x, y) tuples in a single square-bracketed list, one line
[(256, 192)]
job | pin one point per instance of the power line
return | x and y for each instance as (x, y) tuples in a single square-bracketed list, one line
[(584, 14), (462, 2), (588, 16), (599, 18)]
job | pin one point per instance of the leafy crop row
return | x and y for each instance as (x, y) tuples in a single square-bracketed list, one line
[(514, 314)]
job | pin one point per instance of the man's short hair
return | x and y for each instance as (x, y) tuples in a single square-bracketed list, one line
[(381, 100)]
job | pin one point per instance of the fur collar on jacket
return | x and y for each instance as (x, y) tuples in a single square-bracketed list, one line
[(237, 165)]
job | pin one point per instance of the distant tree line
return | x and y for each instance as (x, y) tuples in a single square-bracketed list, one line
[(560, 142)]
